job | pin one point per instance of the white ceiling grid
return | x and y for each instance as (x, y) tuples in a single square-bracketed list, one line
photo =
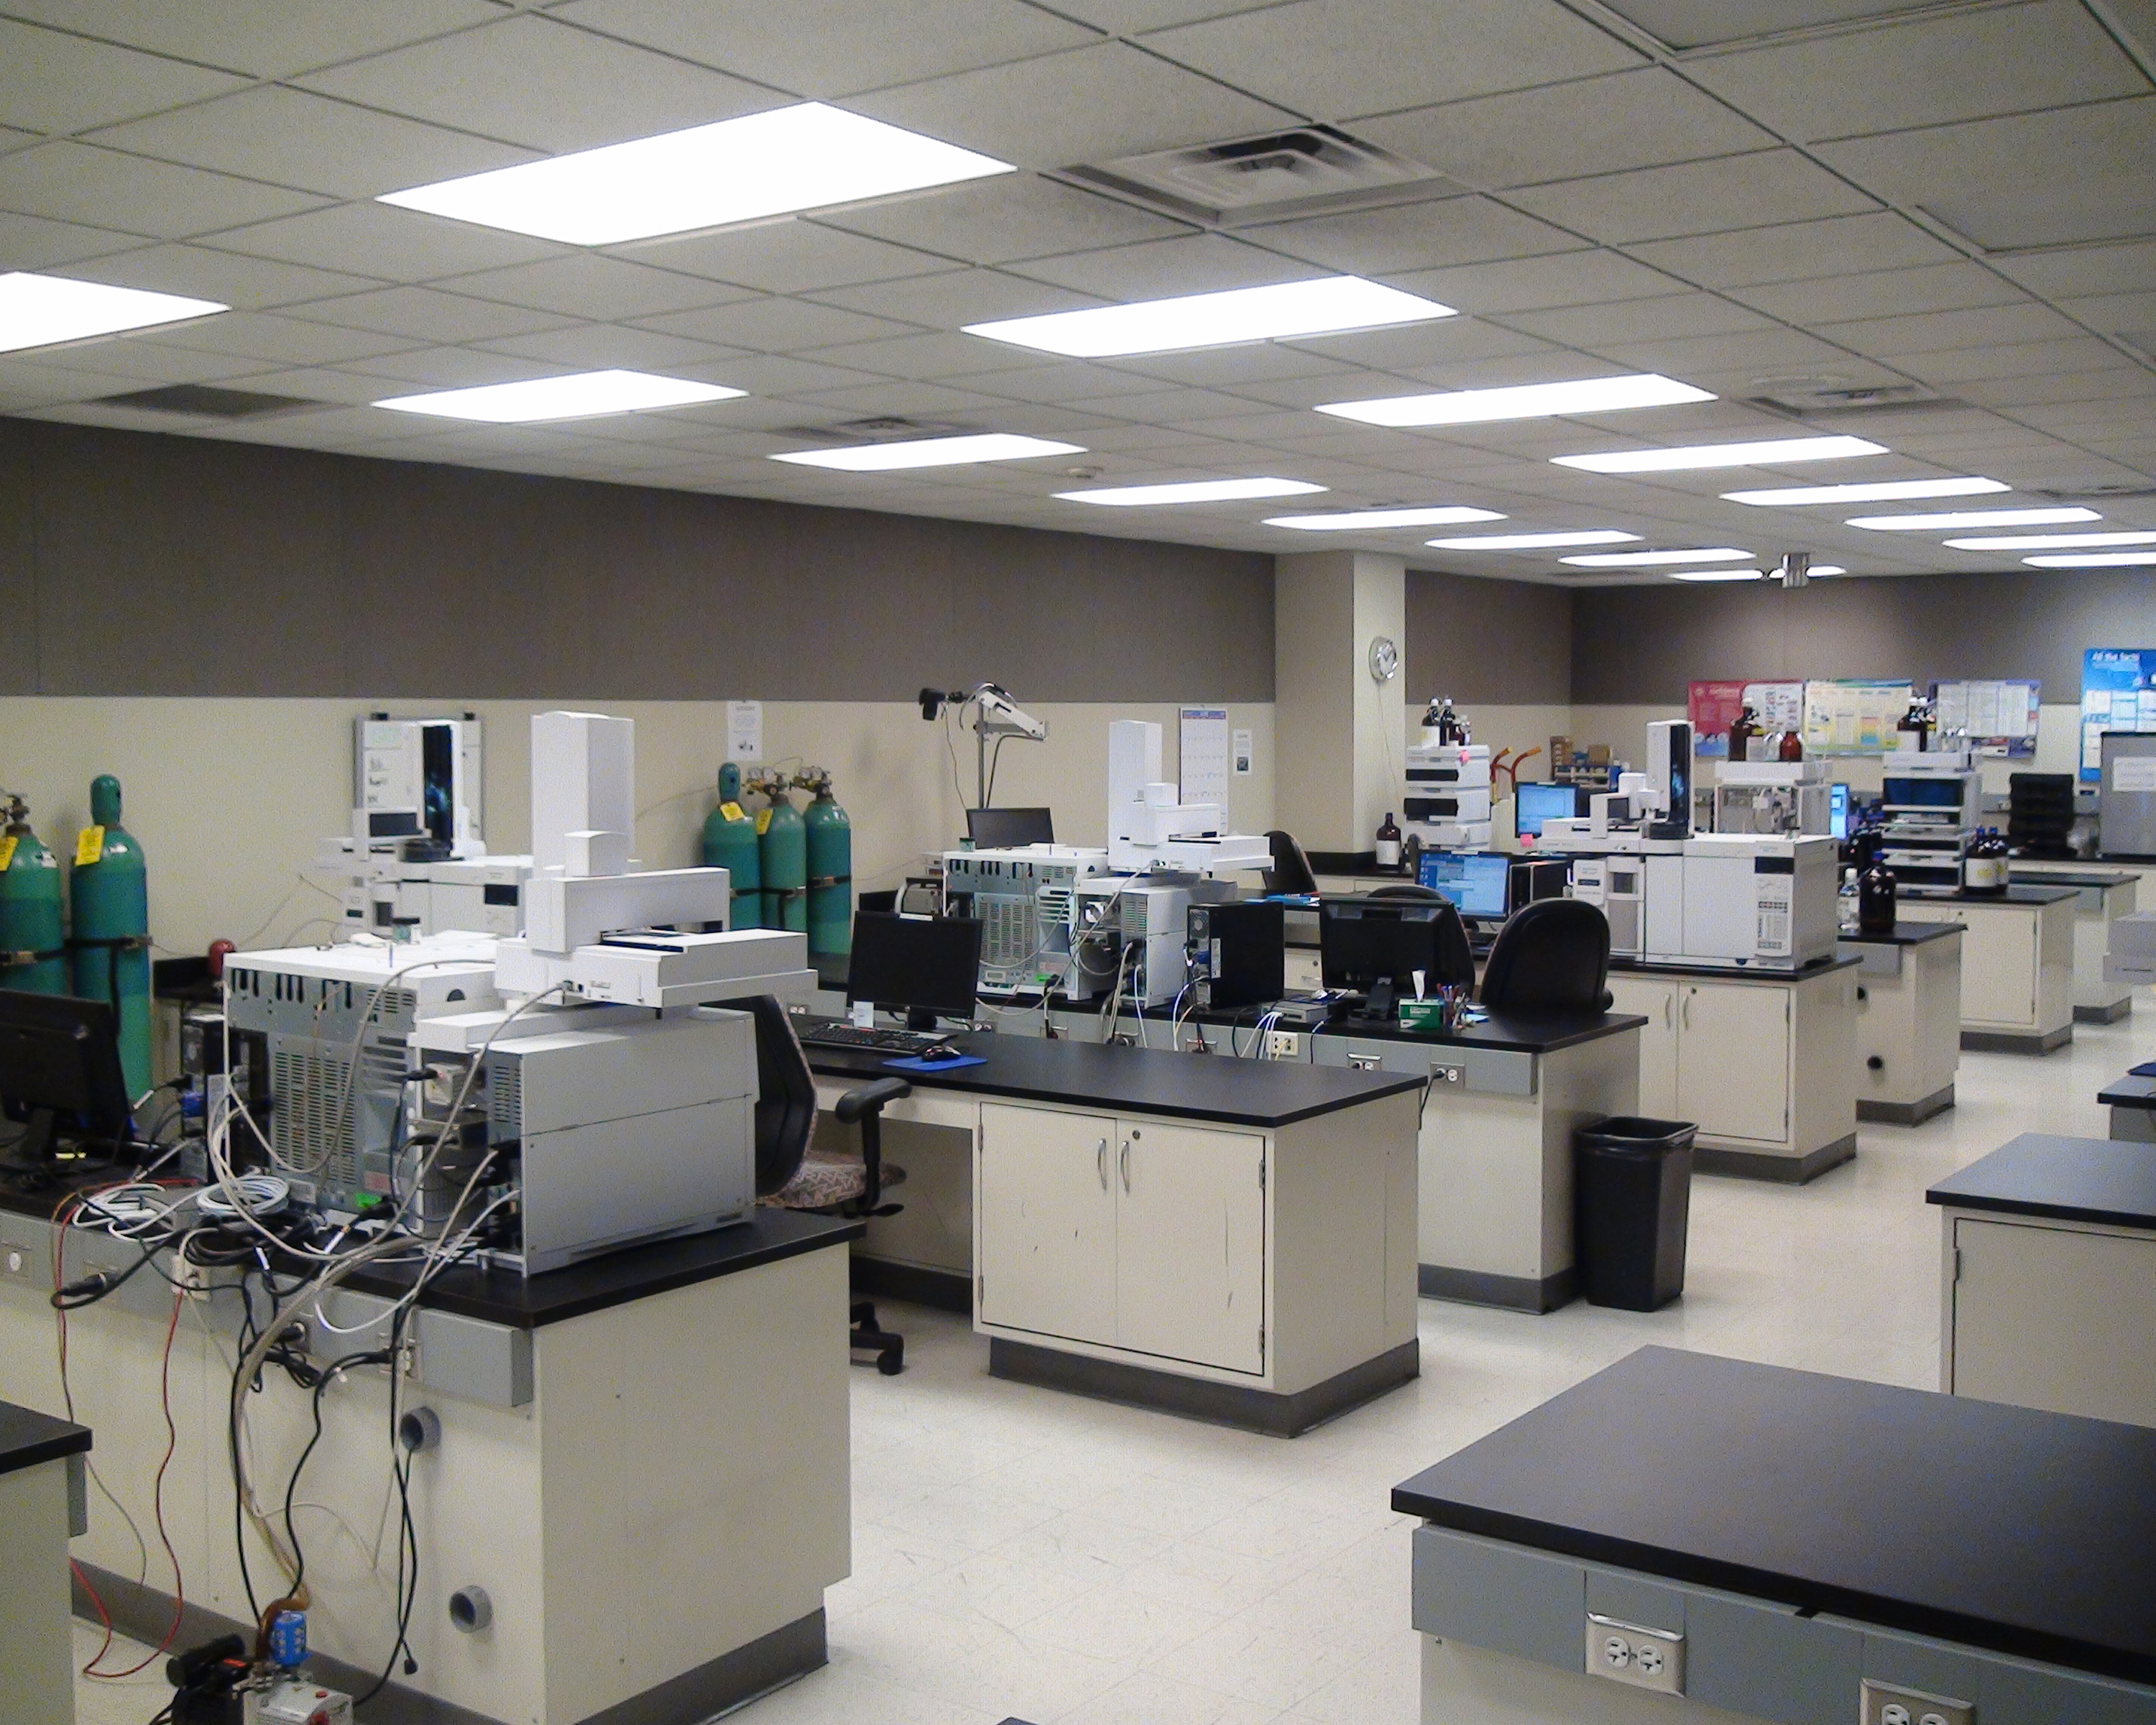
[(1953, 195)]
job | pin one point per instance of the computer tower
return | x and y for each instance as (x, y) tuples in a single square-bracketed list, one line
[(1240, 952)]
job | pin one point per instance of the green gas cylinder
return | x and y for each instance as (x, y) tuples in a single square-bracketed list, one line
[(33, 931), (830, 859), (112, 933), (730, 843), (782, 857)]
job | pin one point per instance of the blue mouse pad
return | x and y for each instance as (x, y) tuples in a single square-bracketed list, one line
[(914, 1062), (2147, 1070)]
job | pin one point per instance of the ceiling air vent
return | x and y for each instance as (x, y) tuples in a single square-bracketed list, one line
[(2096, 491), (1811, 398), (882, 428), (1265, 178), (202, 401)]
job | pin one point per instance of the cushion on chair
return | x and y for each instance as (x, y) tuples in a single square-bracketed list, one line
[(826, 1180)]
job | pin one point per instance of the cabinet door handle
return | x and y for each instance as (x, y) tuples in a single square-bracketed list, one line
[(1125, 1158), (1100, 1162), (1669, 1012), (1686, 1014)]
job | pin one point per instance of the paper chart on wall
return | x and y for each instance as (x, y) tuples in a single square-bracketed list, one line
[(1997, 715), (2118, 693), (1205, 755), (1853, 717)]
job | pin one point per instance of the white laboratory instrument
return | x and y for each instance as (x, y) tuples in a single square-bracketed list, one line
[(1930, 799), (1130, 935), (1740, 901), (1025, 899), (1446, 803), (1783, 798), (1150, 828)]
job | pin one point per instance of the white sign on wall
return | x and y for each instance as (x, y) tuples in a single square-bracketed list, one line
[(1203, 755), (744, 732)]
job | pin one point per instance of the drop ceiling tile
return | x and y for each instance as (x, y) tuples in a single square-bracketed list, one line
[(1558, 278), (1169, 407), (248, 283), (2133, 315), (1402, 237), (2027, 359), (920, 357), (1885, 293), (1415, 347), (1334, 58), (1764, 354), (785, 257), (1670, 317), (268, 38), (444, 367), (961, 296), (75, 182), (776, 326), (1065, 383), (265, 334), (823, 48), (1801, 251), (1546, 365), (537, 81), (1925, 71), (1089, 104), (52, 82), (34, 242), (1768, 187), (1938, 332), (389, 243), (1642, 118), (588, 285), (1012, 216), (603, 347), (145, 361), (915, 400), (2085, 270), (767, 375), (2032, 179), (294, 138), (427, 314), (330, 383), (1163, 268), (1237, 368)]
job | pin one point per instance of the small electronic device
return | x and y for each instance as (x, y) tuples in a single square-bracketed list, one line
[(1009, 829), (1479, 882), (1376, 946), (1837, 812), (1669, 777), (60, 1076), (1534, 803), (1239, 952), (926, 966), (1538, 878)]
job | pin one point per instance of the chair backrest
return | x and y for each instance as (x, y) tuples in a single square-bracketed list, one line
[(1552, 956), (785, 1094), (1291, 872)]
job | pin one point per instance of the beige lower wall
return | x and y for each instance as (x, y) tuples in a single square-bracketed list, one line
[(229, 797)]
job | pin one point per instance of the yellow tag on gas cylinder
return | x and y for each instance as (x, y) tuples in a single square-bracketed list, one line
[(732, 811), (7, 843), (88, 846), (763, 822)]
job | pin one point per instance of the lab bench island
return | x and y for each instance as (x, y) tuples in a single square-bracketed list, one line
[(635, 1478), (1908, 1019), (1688, 1540), (1231, 1240), (2017, 963), (43, 1498)]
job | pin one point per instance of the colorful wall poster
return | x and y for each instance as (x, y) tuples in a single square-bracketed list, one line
[(2118, 693)]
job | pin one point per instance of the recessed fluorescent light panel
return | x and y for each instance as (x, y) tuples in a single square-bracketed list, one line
[(1372, 519), (1192, 491), (1827, 569), (1619, 559), (39, 310), (1772, 453), (1886, 491), (2092, 560), (805, 157), (2049, 542), (1720, 574), (1970, 518), (930, 452), (582, 395), (1327, 306), (1532, 542), (1525, 401)]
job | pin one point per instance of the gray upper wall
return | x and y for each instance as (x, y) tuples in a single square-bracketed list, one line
[(1643, 644), (1488, 642), (134, 563)]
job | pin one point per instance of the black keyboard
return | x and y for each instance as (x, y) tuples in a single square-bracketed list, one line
[(835, 1033)]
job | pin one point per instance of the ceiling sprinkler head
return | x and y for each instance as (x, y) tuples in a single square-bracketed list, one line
[(1795, 568)]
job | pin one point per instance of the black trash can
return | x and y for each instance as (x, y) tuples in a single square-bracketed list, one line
[(1632, 1203)]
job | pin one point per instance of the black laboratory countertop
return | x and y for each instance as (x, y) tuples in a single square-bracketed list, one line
[(2107, 1180), (2003, 1528), (1731, 973), (1903, 934), (2136, 1090), (27, 1438), (2012, 895), (1511, 1033), (2037, 875), (1264, 1094)]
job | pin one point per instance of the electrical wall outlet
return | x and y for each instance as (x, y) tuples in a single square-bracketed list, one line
[(1631, 1654), (1283, 1044), (1891, 1704), (1453, 1076), (17, 1264)]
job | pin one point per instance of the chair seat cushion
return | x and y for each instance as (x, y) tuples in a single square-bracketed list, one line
[(826, 1181)]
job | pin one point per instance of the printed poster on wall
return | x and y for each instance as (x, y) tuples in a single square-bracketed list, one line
[(1714, 707), (1854, 715), (1998, 716), (1204, 763), (2118, 693)]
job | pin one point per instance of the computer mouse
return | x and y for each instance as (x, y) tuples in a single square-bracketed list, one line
[(941, 1051)]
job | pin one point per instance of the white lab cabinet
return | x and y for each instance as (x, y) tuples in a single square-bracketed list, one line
[(1908, 1021), (1046, 1203), (2017, 965), (1763, 1063)]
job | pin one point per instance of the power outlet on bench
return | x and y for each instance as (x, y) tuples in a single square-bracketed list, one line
[(1891, 1704), (1283, 1044), (1631, 1654)]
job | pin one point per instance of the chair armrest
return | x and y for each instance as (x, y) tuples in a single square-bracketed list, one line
[(869, 1099)]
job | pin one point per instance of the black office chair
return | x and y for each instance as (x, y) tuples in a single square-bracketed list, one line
[(1291, 872), (1552, 955), (1455, 956), (791, 1175)]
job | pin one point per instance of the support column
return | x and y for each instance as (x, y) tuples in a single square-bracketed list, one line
[(1339, 735)]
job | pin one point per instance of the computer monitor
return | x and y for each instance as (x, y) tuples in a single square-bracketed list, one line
[(1007, 828), (922, 966), (1837, 811), (60, 1076), (1366, 944), (1534, 803), (1479, 882)]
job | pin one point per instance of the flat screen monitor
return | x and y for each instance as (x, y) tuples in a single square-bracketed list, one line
[(1007, 828), (1361, 942), (60, 1075), (1479, 882), (1534, 803), (923, 966), (1837, 811)]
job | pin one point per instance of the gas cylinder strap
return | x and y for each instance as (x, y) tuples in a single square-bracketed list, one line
[(118, 942), (830, 880), (32, 957)]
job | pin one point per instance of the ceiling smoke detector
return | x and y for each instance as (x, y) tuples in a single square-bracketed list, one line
[(1264, 178)]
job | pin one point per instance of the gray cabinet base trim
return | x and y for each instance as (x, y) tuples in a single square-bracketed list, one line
[(1480, 1287), (767, 1663), (2110, 1015), (917, 1284), (1788, 1170), (1906, 1113), (2029, 1042), (1260, 1411)]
